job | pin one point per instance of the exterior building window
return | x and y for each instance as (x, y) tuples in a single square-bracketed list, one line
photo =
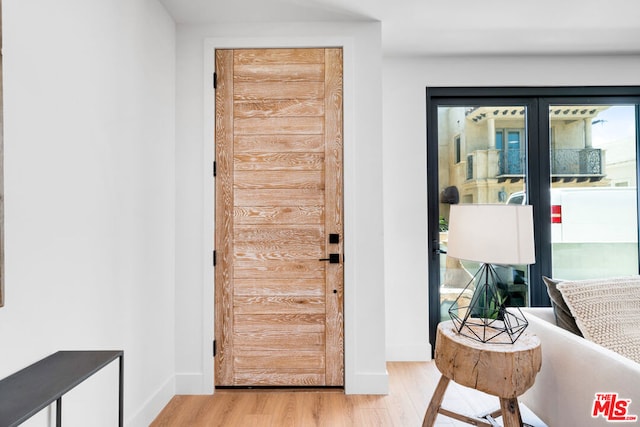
[(511, 160)]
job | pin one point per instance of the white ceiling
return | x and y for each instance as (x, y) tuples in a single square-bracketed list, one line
[(451, 27)]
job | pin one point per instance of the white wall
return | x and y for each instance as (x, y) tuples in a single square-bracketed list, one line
[(364, 285), (90, 202), (406, 175)]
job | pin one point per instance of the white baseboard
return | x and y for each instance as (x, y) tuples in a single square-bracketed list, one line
[(409, 352), (154, 405), (369, 383)]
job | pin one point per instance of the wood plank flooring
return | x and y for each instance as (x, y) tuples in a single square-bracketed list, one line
[(411, 385)]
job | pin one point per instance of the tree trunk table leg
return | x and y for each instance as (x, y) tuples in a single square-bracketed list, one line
[(436, 402), (510, 412)]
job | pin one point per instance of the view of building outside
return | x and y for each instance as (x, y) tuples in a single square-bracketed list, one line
[(482, 159), (594, 229)]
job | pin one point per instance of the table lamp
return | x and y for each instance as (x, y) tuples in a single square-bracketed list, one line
[(489, 234)]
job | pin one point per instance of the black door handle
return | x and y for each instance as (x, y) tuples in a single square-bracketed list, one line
[(333, 259), (436, 248)]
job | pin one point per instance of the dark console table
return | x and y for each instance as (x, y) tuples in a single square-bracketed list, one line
[(32, 389)]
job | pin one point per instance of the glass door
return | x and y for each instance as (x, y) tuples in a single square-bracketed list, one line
[(569, 152), (482, 159)]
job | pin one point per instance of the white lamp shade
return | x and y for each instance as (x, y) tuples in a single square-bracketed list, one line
[(492, 234)]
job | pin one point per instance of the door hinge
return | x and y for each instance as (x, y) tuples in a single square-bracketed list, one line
[(214, 258), (215, 169), (215, 80), (214, 348)]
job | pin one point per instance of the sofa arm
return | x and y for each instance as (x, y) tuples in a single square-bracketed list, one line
[(573, 371), (541, 313)]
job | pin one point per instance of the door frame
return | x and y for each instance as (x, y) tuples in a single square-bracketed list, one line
[(208, 196), (540, 98)]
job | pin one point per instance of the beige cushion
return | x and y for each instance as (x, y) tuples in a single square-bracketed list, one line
[(607, 311)]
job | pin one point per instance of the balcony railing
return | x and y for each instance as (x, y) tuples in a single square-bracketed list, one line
[(585, 161), (565, 163), (511, 162)]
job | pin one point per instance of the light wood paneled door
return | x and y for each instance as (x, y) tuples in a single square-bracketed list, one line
[(279, 218)]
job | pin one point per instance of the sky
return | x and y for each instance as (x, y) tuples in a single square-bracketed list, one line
[(615, 123)]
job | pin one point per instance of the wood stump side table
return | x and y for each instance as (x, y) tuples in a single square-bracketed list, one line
[(503, 370)]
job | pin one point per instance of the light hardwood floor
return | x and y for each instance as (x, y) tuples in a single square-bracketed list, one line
[(411, 385)]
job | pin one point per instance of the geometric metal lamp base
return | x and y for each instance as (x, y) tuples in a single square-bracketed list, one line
[(485, 318)]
